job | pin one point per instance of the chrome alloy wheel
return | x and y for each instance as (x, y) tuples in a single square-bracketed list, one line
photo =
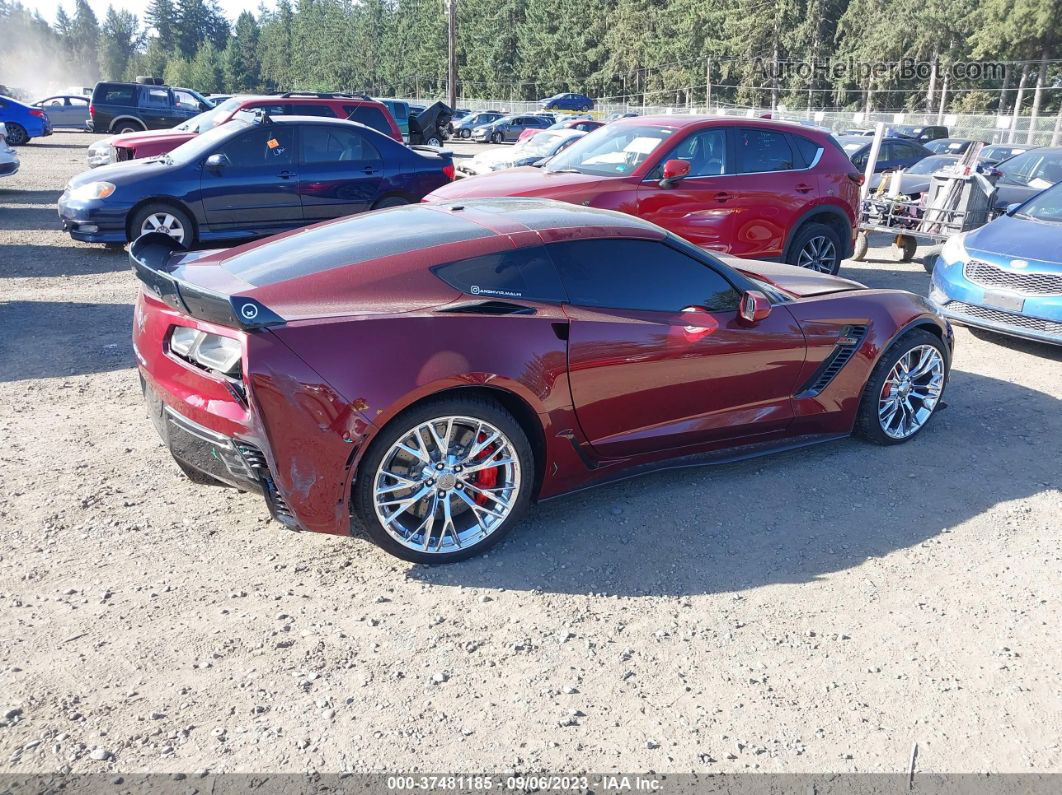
[(447, 484), (819, 254), (911, 392), (164, 222)]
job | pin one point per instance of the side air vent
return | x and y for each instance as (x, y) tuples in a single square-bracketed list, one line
[(849, 340), (489, 308)]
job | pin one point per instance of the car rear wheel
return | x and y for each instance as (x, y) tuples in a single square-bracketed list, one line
[(124, 127), (445, 480), (817, 248), (904, 390), (16, 134), (166, 219)]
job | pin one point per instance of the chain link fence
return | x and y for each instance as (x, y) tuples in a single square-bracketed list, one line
[(992, 129)]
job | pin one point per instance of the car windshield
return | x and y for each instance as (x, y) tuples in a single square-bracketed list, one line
[(932, 164), (205, 143), (541, 144), (1046, 206), (209, 119), (998, 153), (611, 151), (1035, 169)]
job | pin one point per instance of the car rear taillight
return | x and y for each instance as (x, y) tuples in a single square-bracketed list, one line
[(858, 179), (448, 170), (92, 110), (37, 114)]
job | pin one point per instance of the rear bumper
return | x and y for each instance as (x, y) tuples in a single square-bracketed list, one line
[(226, 459)]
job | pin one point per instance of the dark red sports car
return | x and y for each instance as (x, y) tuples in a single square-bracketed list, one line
[(427, 371)]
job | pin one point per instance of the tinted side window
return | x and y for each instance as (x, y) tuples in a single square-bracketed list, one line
[(155, 98), (369, 116), (705, 151), (763, 150), (117, 95), (807, 149), (639, 274), (299, 109), (321, 144), (272, 110), (526, 273), (268, 146)]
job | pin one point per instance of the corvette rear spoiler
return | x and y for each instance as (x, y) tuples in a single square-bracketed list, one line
[(152, 254)]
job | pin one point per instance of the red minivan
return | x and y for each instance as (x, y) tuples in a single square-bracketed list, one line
[(747, 187)]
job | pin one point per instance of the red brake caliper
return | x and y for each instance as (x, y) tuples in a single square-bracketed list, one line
[(485, 478)]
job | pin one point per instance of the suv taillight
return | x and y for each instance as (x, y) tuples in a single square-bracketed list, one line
[(448, 170), (92, 110)]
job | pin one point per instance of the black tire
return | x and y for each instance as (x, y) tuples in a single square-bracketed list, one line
[(904, 248), (136, 223), (862, 243), (868, 424), (124, 127), (466, 133), (808, 238), (477, 408), (16, 134), (497, 138), (929, 261), (434, 140), (390, 201)]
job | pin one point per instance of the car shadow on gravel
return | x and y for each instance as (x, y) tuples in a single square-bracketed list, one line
[(29, 218), (791, 518), (28, 260), (887, 275), (28, 197), (55, 339)]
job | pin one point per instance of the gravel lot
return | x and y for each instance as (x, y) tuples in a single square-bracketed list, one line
[(820, 610)]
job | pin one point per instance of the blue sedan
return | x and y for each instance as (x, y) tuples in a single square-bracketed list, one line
[(23, 122), (568, 101), (251, 177), (1007, 276)]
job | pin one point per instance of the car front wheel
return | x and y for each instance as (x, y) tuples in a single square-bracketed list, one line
[(445, 480), (497, 138), (166, 219), (904, 390)]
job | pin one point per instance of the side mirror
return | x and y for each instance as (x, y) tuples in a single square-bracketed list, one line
[(754, 306), (674, 170), (1012, 208), (216, 162)]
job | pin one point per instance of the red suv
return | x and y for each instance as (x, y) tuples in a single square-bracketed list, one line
[(747, 187), (133, 146)]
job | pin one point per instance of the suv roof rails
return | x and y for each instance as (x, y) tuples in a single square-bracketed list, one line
[(322, 95)]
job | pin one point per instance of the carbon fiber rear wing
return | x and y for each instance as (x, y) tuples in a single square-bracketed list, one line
[(151, 255)]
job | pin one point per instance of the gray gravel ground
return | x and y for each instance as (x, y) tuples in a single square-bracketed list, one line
[(820, 610)]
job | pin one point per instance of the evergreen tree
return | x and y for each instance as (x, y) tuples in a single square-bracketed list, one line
[(242, 66), (206, 73), (120, 37), (84, 41), (162, 16)]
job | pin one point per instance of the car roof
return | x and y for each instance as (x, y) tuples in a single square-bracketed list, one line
[(684, 121), (415, 237)]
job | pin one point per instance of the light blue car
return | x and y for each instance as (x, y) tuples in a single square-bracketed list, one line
[(1007, 276)]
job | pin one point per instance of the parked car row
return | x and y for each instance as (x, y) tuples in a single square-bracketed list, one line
[(250, 175)]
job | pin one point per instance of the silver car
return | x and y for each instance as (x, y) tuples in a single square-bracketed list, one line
[(8, 158), (67, 110)]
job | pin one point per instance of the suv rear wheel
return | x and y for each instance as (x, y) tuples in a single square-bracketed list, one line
[(124, 127), (818, 248)]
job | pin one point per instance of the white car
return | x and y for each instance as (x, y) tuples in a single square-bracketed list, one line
[(528, 152), (8, 159)]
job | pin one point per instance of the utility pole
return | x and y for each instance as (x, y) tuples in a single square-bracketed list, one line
[(451, 39)]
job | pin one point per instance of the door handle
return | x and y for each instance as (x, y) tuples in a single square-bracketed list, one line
[(368, 170), (803, 187), (286, 174), (723, 196)]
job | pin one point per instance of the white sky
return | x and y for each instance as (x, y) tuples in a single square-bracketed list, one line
[(47, 8)]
